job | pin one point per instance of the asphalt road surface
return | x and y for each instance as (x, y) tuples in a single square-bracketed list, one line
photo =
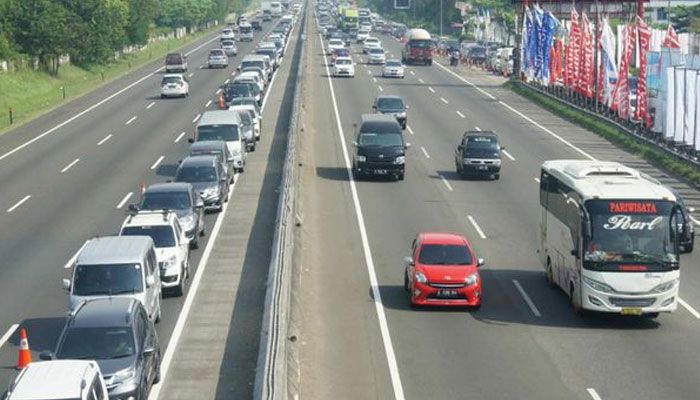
[(525, 342), (69, 175)]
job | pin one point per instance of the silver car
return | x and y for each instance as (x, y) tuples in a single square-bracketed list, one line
[(229, 47), (217, 59)]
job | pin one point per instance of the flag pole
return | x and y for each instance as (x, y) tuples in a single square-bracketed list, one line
[(596, 57)]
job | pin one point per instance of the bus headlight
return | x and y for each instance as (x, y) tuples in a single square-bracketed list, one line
[(665, 287), (599, 286)]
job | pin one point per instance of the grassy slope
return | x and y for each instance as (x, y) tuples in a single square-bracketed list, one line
[(32, 93)]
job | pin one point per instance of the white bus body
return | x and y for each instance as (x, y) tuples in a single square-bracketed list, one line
[(607, 237)]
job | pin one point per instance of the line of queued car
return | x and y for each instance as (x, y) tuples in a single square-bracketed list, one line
[(109, 346)]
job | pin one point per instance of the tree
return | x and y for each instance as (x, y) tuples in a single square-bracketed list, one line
[(142, 13), (686, 19), (45, 29), (187, 13), (102, 29)]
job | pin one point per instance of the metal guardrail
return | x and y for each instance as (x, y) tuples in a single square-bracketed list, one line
[(271, 376), (633, 129)]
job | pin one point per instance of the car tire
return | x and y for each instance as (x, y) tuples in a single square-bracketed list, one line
[(497, 177), (156, 379), (158, 315), (406, 283), (162, 96), (194, 245), (689, 248), (179, 290), (400, 176), (549, 275), (403, 126), (577, 308)]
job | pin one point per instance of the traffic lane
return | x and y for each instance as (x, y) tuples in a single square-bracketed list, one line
[(424, 207), (130, 106), (494, 213), (101, 200)]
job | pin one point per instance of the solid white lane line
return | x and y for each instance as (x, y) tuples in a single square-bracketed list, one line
[(408, 128), (369, 262), (94, 106), (218, 91), (476, 227), (485, 93), (536, 179), (449, 187), (374, 79), (594, 395), (158, 161), (460, 114), (508, 155), (268, 91), (380, 88), (177, 139), (443, 100), (189, 300), (527, 299), (153, 103), (8, 334), (106, 138), (125, 199), (196, 118), (132, 119), (71, 261), (227, 81), (425, 152), (421, 80), (67, 167), (208, 103), (19, 203), (688, 307), (431, 89)]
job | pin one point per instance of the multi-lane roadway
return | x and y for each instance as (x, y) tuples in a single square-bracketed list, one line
[(68, 176), (361, 339)]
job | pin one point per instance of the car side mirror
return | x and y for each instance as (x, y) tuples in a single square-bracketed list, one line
[(408, 260), (133, 208), (46, 355), (65, 283), (190, 140), (691, 209), (407, 107), (460, 147), (480, 262), (150, 281)]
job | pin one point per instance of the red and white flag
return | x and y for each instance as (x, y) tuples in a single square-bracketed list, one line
[(621, 98), (641, 111), (573, 51), (586, 76), (671, 40)]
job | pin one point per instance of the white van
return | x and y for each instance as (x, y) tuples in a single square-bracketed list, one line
[(245, 32), (59, 380), (223, 125), (276, 9), (117, 266)]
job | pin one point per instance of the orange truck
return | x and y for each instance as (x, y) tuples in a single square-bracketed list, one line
[(418, 48)]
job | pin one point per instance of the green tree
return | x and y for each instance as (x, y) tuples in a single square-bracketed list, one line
[(102, 29), (45, 29), (142, 14), (187, 13), (686, 19)]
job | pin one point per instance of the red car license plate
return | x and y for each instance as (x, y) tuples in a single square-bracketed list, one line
[(449, 293)]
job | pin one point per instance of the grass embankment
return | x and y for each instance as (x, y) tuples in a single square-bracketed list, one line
[(31, 93), (612, 133)]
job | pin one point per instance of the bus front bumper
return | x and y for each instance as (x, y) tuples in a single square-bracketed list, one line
[(630, 304)]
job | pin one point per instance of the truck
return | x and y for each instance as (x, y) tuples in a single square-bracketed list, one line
[(266, 8), (349, 19), (418, 48)]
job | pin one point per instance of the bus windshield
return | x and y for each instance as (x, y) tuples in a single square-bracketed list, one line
[(630, 235)]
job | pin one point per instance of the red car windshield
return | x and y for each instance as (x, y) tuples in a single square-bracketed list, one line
[(438, 254)]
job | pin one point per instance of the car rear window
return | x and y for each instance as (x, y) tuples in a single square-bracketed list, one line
[(173, 59), (194, 174), (162, 235), (226, 133)]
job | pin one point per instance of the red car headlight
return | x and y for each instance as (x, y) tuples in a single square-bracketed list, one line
[(472, 279)]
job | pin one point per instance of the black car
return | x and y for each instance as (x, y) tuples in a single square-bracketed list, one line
[(479, 153), (392, 105), (208, 177), (117, 334), (242, 89), (686, 228), (180, 198), (380, 147)]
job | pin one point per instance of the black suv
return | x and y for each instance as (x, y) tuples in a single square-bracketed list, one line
[(479, 153), (380, 147), (117, 334), (394, 105)]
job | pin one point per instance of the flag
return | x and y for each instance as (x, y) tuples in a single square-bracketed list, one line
[(573, 51), (555, 62), (550, 25), (524, 55), (671, 40), (644, 34), (586, 78), (621, 101), (607, 44)]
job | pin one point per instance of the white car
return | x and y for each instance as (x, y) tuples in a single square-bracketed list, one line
[(229, 47), (371, 43), (59, 379), (344, 67), (227, 34), (376, 56), (254, 113), (174, 85), (335, 44), (251, 77), (362, 34), (393, 69), (172, 246)]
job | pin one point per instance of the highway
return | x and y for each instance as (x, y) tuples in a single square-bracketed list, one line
[(360, 338), (69, 175)]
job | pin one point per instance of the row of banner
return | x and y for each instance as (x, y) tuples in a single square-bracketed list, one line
[(564, 54)]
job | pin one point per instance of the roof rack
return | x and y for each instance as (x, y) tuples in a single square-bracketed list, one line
[(165, 212)]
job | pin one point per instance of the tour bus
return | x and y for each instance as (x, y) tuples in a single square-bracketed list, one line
[(608, 237), (245, 32)]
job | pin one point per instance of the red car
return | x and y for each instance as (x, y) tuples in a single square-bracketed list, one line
[(443, 271)]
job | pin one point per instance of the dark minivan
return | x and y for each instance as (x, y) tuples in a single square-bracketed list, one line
[(380, 147), (479, 153), (175, 62)]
